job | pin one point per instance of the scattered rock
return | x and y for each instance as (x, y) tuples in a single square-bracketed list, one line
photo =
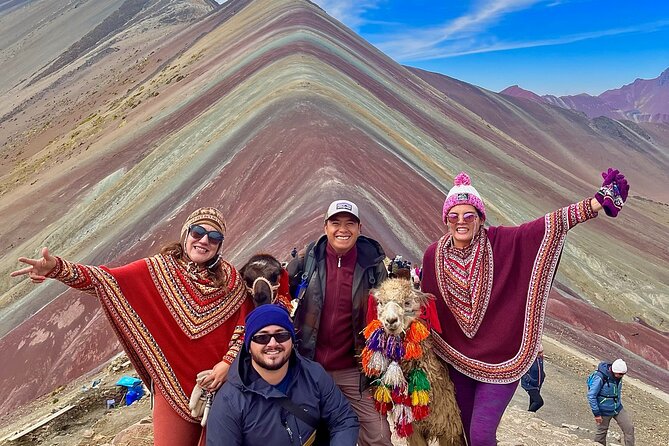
[(136, 435), (88, 433)]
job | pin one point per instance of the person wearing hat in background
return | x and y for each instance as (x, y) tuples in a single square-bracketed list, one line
[(534, 379), (331, 280), (176, 314), (269, 384), (605, 398), (491, 287)]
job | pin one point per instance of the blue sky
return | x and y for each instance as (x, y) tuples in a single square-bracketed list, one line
[(547, 46)]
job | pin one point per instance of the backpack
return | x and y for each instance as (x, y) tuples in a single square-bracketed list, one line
[(591, 378), (309, 267)]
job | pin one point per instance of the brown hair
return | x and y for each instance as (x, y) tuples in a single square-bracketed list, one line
[(176, 250), (403, 273)]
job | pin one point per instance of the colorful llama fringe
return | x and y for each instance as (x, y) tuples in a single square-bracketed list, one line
[(406, 398)]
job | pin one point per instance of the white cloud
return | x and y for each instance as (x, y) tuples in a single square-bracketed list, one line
[(422, 43), (419, 50), (467, 34), (502, 46), (349, 12)]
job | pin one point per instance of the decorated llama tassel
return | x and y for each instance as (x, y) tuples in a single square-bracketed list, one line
[(377, 340), (371, 328), (403, 418), (394, 348), (412, 350), (378, 363), (419, 392), (365, 356), (373, 363), (394, 378), (420, 412), (407, 398), (417, 332), (382, 399)]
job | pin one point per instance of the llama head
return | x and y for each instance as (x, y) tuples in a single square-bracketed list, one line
[(398, 304), (261, 275)]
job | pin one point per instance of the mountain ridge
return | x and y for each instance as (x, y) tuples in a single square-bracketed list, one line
[(643, 100)]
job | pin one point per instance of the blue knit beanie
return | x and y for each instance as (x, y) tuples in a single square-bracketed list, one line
[(264, 316)]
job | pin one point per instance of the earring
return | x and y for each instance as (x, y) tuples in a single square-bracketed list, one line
[(216, 262)]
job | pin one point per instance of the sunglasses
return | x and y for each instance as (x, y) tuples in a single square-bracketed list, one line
[(264, 338), (468, 217), (198, 232)]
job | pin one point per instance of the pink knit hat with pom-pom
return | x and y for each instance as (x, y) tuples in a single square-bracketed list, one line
[(463, 193)]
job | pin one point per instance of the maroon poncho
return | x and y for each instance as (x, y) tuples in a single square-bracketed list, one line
[(491, 296), (171, 323)]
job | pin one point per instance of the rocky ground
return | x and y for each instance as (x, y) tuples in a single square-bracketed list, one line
[(565, 420)]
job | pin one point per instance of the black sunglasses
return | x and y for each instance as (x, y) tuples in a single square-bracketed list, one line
[(197, 232), (264, 338)]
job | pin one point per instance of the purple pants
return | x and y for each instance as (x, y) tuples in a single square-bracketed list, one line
[(481, 407)]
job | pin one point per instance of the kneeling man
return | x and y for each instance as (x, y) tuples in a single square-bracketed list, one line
[(274, 396)]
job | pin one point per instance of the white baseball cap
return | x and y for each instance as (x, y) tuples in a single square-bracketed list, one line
[(338, 206), (619, 366)]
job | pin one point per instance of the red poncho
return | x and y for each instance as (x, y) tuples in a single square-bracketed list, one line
[(171, 323), (491, 296)]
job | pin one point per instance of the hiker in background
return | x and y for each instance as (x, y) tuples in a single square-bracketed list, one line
[(178, 314), (274, 396), (293, 253), (534, 379), (415, 277), (605, 391), (494, 326), (332, 280)]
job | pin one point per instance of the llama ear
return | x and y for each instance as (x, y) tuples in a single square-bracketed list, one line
[(372, 313), (418, 295)]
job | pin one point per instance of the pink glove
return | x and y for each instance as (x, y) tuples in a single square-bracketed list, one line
[(613, 193)]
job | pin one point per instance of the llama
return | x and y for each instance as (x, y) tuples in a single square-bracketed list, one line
[(399, 306), (266, 280)]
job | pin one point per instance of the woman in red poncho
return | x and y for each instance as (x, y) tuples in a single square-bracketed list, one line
[(176, 314), (491, 287)]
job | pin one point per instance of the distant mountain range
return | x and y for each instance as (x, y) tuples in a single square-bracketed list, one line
[(644, 100)]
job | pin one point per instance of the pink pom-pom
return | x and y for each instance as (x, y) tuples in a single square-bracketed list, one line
[(462, 180)]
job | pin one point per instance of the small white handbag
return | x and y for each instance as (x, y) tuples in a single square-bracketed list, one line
[(201, 399)]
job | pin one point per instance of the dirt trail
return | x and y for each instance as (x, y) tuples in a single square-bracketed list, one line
[(564, 393)]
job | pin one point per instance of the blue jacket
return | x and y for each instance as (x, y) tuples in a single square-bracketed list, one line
[(535, 376), (605, 392), (244, 413)]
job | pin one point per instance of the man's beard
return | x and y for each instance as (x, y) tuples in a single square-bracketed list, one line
[(259, 360)]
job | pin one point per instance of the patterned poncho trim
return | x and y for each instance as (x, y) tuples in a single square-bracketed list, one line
[(194, 305), (468, 300)]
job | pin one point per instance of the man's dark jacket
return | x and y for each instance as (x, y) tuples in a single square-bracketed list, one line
[(369, 265), (245, 413)]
